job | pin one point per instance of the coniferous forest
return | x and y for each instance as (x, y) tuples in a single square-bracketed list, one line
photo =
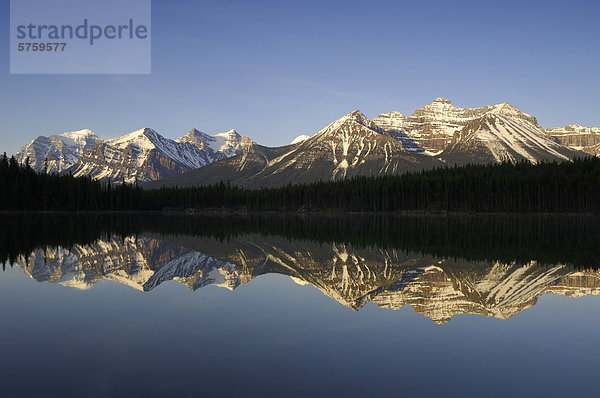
[(548, 239), (567, 187)]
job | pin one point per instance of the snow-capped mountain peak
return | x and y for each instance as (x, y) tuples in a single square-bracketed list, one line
[(228, 142), (351, 145), (506, 109), (223, 144), (80, 135), (440, 107), (197, 138), (144, 138), (355, 118), (56, 153), (230, 135), (144, 155)]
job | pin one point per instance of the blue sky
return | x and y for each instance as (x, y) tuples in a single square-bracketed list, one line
[(277, 69)]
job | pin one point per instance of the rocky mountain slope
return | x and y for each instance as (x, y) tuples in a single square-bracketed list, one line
[(140, 156), (574, 136), (350, 146), (434, 135), (490, 133), (391, 144), (143, 155), (593, 150), (434, 127), (218, 146), (57, 153), (430, 128), (504, 136)]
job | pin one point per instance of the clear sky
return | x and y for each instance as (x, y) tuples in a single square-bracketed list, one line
[(276, 69)]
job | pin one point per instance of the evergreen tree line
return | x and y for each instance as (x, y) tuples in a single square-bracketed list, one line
[(514, 188), (548, 239)]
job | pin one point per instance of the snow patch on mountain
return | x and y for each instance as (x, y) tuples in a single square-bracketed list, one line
[(300, 138)]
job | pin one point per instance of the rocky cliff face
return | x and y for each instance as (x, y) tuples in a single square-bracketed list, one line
[(577, 284), (434, 127), (574, 136), (592, 150), (218, 146)]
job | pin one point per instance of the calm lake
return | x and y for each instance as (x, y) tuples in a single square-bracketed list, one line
[(151, 305)]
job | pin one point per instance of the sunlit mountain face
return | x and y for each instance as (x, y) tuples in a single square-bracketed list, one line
[(435, 135), (439, 267)]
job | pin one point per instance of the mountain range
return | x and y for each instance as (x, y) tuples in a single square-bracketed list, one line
[(140, 156), (435, 135), (438, 288)]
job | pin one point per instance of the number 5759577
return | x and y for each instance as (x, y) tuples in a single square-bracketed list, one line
[(42, 47)]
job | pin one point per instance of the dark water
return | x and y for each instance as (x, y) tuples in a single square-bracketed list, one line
[(149, 305)]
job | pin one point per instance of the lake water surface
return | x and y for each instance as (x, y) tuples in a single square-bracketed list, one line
[(150, 305)]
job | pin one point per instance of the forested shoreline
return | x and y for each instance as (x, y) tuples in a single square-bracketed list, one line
[(549, 239), (567, 187)]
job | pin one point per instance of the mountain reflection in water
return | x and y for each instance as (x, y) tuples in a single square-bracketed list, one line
[(394, 262)]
